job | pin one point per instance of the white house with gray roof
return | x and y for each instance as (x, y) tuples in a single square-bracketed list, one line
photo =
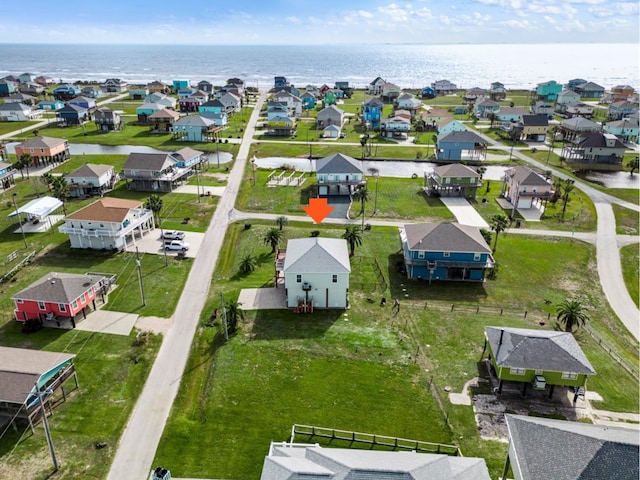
[(91, 179), (338, 174), (544, 448), (287, 461), (316, 273)]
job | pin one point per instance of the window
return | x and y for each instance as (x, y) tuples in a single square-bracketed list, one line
[(476, 256), (420, 254), (517, 371), (74, 305), (446, 254), (62, 307), (538, 372), (299, 278), (569, 375), (19, 300), (334, 278), (41, 306)]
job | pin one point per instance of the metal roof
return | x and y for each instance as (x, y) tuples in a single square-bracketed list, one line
[(337, 163), (317, 255), (445, 237)]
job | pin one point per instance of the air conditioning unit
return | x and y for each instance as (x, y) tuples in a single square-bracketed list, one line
[(539, 382)]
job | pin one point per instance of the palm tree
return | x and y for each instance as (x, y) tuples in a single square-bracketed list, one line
[(25, 160), (571, 313), (362, 195), (374, 172), (567, 185), (281, 221), (48, 179), (154, 203), (491, 116), (234, 312), (248, 263), (353, 236), (273, 237), (60, 189), (18, 165), (633, 164), (498, 223)]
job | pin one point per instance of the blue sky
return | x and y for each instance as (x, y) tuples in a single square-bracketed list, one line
[(314, 22)]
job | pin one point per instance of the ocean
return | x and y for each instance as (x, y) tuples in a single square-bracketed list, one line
[(409, 66)]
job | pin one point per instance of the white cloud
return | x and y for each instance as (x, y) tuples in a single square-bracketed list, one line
[(295, 20), (364, 14)]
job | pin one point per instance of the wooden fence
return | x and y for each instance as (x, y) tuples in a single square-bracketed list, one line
[(372, 439)]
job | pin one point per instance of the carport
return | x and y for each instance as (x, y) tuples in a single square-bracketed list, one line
[(38, 212)]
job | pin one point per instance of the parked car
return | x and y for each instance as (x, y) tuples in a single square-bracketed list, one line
[(176, 245), (173, 235)]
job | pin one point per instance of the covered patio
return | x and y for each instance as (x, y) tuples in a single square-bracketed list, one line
[(39, 215)]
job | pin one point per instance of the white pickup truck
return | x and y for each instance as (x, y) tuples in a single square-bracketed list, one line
[(176, 245), (173, 235)]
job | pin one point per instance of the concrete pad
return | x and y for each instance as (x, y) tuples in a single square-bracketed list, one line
[(262, 299), (204, 190), (152, 243), (103, 321), (529, 214), (591, 395), (42, 226), (154, 324), (465, 214), (460, 399)]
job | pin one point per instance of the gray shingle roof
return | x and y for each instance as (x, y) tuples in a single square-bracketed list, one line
[(465, 137), (42, 142), (154, 162), (562, 450), (525, 176), (89, 170), (317, 255), (535, 120), (456, 170), (579, 123), (597, 140), (195, 121), (186, 153), (537, 350), (20, 368), (337, 163), (445, 237), (57, 287)]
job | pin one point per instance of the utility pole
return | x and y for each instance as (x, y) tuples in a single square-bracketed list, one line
[(224, 318), (47, 432), (24, 239), (197, 185), (139, 268), (166, 262)]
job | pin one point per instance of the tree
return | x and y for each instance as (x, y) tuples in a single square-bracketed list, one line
[(273, 237), (362, 195), (571, 313), (352, 234), (486, 234), (491, 116), (374, 172), (60, 189), (48, 179), (498, 223), (154, 203), (26, 160), (567, 185), (234, 312), (633, 164), (281, 221), (248, 263)]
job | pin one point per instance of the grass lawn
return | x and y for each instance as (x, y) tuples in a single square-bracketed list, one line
[(111, 371), (304, 364), (288, 148), (630, 195), (398, 198), (8, 127), (627, 221), (630, 258)]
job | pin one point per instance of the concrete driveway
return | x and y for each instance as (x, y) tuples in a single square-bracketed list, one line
[(103, 321), (465, 214), (262, 298), (152, 243), (204, 190)]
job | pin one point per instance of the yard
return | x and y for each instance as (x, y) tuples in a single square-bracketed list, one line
[(355, 369), (630, 258)]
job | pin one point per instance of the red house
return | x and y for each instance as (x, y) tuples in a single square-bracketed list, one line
[(59, 296)]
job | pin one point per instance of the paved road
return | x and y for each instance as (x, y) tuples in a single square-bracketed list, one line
[(137, 448)]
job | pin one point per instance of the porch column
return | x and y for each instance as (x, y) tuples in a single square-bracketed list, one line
[(524, 389), (507, 464), (552, 387), (500, 387)]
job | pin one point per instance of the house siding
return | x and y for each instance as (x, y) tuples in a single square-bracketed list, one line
[(29, 309), (321, 283)]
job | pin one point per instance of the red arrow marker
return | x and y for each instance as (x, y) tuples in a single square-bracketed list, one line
[(318, 209)]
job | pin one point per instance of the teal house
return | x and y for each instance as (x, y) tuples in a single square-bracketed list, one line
[(548, 90), (626, 129), (543, 359), (180, 85), (445, 252), (50, 105), (194, 128), (372, 112), (461, 146), (308, 100)]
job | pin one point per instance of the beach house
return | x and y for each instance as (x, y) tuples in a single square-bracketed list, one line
[(91, 179)]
